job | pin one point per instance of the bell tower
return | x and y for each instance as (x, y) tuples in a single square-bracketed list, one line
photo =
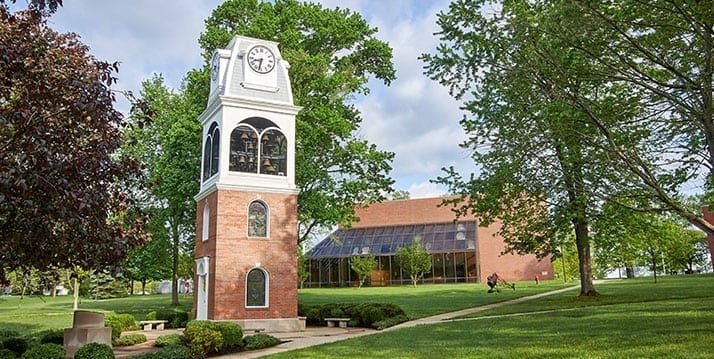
[(246, 218)]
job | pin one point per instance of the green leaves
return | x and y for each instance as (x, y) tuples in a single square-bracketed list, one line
[(332, 53)]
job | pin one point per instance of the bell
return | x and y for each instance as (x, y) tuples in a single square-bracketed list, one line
[(250, 159), (266, 138), (244, 136), (241, 159), (266, 163), (269, 169), (250, 146)]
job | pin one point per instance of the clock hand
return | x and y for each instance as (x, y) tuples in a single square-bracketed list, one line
[(260, 63)]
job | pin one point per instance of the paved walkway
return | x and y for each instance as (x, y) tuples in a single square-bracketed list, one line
[(322, 335)]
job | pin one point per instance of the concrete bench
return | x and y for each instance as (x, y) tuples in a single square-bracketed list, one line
[(148, 324), (341, 322)]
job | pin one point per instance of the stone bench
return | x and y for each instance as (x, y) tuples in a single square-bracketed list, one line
[(341, 322), (148, 324)]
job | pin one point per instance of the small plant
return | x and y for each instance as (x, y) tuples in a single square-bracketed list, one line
[(130, 339), (94, 351), (176, 318), (45, 351), (8, 333), (231, 332), (170, 352), (120, 323), (260, 341), (53, 336), (389, 322), (7, 354), (168, 339), (17, 344), (202, 340)]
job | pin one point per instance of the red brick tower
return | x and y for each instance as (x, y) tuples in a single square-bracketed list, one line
[(246, 225)]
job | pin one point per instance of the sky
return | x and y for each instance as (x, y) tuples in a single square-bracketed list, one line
[(414, 117)]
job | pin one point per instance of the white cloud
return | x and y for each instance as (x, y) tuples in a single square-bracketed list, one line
[(425, 190), (415, 117)]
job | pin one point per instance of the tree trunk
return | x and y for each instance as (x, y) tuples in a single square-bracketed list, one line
[(630, 271), (174, 264), (653, 256), (131, 287), (143, 287), (582, 242)]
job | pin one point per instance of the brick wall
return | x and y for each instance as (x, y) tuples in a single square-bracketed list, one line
[(489, 246), (233, 254)]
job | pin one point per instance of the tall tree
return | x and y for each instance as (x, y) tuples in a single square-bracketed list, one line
[(332, 53), (662, 53), (62, 199), (168, 148), (542, 170)]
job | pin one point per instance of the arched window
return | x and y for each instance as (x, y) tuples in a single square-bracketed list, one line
[(256, 288), (206, 222), (244, 149), (274, 153), (257, 219), (258, 146), (211, 151)]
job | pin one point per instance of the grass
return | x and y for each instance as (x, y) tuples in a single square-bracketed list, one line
[(32, 313), (673, 318), (631, 319), (425, 300)]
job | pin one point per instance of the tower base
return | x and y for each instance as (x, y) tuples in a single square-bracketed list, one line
[(279, 325)]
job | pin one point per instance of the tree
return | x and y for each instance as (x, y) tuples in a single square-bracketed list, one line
[(151, 261), (414, 260), (62, 196), (542, 168), (692, 251), (662, 52), (363, 265), (168, 147), (332, 53)]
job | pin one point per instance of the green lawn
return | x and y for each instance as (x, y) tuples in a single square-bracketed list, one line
[(632, 319), (33, 313), (426, 300)]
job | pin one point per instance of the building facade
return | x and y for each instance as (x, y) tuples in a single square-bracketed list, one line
[(461, 251)]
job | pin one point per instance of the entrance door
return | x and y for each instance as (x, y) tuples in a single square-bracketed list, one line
[(202, 288)]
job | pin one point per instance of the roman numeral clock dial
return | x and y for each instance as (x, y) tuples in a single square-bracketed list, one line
[(261, 59)]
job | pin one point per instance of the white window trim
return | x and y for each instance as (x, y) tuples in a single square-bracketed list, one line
[(206, 222), (267, 288), (267, 219)]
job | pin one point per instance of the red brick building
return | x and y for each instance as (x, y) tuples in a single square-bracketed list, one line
[(461, 251)]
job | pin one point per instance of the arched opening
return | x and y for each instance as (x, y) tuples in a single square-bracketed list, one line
[(211, 151), (206, 222), (256, 294), (258, 146), (257, 219)]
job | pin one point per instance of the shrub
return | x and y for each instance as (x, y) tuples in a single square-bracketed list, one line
[(130, 339), (231, 332), (7, 354), (202, 340), (94, 351), (176, 318), (16, 344), (389, 322), (120, 323), (170, 352), (45, 351), (151, 315), (8, 333), (53, 336), (260, 341), (362, 314), (168, 339)]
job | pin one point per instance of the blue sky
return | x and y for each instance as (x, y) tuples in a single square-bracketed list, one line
[(413, 117)]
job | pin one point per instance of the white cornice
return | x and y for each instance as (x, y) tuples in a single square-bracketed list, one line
[(213, 187)]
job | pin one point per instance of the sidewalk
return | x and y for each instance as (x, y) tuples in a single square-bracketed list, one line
[(322, 335)]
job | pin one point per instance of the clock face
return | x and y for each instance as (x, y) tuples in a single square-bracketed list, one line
[(261, 59)]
